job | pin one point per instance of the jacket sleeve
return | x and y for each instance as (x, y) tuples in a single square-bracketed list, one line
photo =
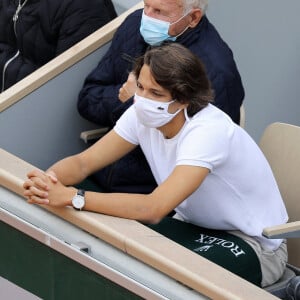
[(98, 100), (81, 19), (229, 93)]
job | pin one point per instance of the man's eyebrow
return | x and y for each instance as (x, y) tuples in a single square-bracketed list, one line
[(157, 91)]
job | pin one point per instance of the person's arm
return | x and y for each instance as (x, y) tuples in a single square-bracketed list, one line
[(150, 208), (80, 20), (98, 100), (153, 207), (105, 151), (76, 168), (99, 95)]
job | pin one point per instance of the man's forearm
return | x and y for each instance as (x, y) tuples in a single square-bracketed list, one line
[(69, 171)]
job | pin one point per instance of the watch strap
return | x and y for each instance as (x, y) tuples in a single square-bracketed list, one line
[(81, 192)]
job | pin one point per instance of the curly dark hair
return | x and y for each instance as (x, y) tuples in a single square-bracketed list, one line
[(179, 71)]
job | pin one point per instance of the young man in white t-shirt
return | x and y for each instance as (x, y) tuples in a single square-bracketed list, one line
[(207, 168)]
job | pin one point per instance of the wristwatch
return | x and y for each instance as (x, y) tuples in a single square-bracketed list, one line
[(78, 200)]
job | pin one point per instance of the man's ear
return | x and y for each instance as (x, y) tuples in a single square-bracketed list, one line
[(183, 105), (196, 16)]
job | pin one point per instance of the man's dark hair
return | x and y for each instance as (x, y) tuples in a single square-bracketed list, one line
[(179, 71)]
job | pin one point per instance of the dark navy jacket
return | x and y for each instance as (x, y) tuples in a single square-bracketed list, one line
[(43, 30), (98, 100)]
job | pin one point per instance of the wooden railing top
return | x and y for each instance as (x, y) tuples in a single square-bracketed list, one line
[(63, 61), (142, 243)]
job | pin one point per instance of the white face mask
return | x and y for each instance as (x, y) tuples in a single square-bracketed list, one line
[(156, 31), (153, 113)]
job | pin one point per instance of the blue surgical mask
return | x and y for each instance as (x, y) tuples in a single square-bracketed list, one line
[(156, 31)]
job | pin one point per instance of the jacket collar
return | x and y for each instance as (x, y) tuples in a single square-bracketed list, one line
[(193, 33)]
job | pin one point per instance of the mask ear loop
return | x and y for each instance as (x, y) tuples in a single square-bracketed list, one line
[(186, 114), (186, 28)]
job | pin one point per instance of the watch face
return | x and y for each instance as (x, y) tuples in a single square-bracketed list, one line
[(78, 202)]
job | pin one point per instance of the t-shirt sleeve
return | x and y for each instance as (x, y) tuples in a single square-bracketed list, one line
[(205, 145), (126, 126)]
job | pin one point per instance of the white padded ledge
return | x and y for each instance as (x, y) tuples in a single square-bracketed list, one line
[(288, 230), (144, 244)]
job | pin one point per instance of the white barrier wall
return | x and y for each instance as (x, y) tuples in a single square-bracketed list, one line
[(265, 39)]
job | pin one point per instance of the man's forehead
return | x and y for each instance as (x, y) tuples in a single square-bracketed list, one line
[(165, 3), (173, 2)]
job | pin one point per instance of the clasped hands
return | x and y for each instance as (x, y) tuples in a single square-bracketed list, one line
[(128, 89), (45, 188)]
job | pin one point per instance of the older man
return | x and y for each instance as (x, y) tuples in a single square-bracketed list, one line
[(108, 90)]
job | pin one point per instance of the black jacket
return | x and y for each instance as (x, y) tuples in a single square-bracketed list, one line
[(42, 30), (98, 100)]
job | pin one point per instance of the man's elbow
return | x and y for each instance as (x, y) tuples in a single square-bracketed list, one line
[(153, 216), (153, 221)]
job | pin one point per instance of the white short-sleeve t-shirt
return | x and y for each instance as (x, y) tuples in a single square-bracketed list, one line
[(239, 193)]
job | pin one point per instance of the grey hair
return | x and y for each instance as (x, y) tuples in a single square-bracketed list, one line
[(190, 4)]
